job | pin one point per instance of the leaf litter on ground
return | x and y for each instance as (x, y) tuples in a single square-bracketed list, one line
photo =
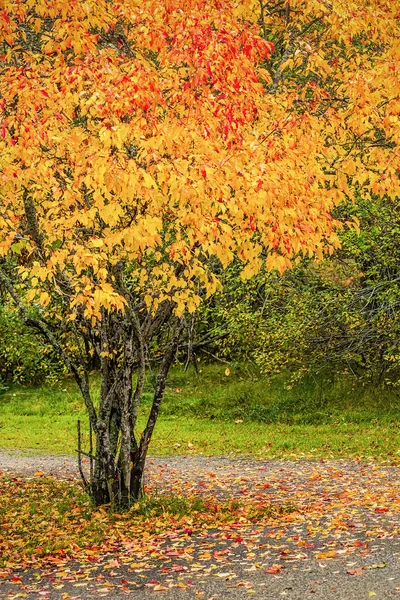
[(200, 517)]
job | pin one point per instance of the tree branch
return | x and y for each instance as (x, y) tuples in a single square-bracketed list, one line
[(169, 356), (48, 334), (137, 397)]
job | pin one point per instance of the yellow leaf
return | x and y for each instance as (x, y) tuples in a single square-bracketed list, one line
[(97, 243), (149, 181), (327, 554), (160, 588), (44, 299)]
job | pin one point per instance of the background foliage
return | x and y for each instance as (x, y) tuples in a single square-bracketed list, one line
[(24, 356), (337, 317)]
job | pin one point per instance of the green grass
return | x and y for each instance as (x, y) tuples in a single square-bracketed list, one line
[(219, 414)]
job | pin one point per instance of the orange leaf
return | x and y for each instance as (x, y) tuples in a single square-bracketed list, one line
[(327, 554), (357, 572), (274, 569)]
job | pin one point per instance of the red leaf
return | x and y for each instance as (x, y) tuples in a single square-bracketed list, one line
[(274, 569), (381, 510), (357, 572)]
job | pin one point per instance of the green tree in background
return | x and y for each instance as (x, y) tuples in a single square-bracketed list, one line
[(339, 316)]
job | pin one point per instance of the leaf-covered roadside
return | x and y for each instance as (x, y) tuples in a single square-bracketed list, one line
[(45, 520), (208, 525)]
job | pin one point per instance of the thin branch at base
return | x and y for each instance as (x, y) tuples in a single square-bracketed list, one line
[(86, 454), (85, 483)]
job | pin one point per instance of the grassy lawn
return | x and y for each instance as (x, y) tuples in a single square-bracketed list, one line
[(216, 414)]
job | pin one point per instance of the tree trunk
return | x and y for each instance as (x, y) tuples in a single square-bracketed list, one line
[(103, 488), (118, 475), (140, 456), (137, 481)]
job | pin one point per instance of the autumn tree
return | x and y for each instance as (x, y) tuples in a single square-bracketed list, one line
[(144, 145)]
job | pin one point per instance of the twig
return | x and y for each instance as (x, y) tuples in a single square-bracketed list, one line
[(85, 483), (216, 357), (92, 458), (87, 454)]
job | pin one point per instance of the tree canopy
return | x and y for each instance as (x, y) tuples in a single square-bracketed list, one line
[(147, 132), (144, 145)]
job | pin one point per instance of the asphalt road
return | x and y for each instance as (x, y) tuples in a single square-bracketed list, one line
[(346, 548)]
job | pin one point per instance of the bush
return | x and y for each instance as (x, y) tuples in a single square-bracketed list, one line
[(339, 317), (24, 358)]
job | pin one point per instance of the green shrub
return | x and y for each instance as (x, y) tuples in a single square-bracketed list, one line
[(24, 357)]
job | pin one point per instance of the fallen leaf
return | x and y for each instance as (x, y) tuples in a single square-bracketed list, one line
[(357, 572), (160, 588), (327, 554), (274, 569)]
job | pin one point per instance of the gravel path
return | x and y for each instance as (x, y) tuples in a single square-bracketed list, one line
[(29, 463), (353, 515)]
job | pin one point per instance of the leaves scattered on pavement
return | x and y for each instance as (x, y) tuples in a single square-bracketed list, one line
[(199, 518)]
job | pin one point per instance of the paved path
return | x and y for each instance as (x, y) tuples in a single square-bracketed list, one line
[(346, 547)]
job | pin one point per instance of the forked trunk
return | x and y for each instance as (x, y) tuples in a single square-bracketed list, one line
[(119, 459), (115, 491)]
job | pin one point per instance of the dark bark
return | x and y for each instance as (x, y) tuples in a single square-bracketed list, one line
[(117, 472), (140, 457), (141, 373), (31, 220)]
